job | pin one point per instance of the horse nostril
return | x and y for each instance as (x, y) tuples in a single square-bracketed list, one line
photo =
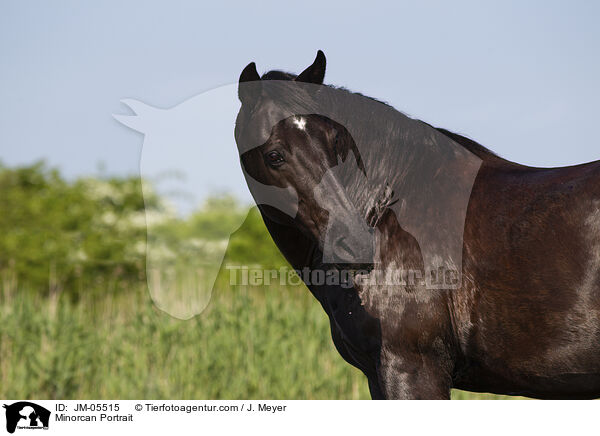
[(349, 243), (342, 248)]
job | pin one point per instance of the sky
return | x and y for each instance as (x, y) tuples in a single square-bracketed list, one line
[(519, 77)]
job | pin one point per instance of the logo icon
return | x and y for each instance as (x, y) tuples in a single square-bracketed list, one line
[(26, 415)]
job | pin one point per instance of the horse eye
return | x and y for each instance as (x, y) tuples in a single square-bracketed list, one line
[(274, 158)]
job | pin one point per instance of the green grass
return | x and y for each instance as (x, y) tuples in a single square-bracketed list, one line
[(250, 343)]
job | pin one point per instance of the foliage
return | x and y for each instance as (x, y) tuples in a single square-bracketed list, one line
[(246, 345), (57, 235), (72, 236)]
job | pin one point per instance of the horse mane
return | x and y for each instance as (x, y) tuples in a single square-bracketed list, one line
[(474, 147)]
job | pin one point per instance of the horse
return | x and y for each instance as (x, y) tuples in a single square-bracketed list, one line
[(517, 312)]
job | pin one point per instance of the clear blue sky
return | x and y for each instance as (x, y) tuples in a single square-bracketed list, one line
[(520, 77)]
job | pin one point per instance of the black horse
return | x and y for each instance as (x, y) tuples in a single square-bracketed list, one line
[(518, 310)]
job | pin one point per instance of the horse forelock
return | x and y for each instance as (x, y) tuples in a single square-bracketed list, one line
[(278, 75)]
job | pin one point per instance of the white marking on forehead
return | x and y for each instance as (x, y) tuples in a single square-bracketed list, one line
[(300, 123)]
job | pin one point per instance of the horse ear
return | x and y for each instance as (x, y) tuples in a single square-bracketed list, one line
[(248, 92), (316, 72)]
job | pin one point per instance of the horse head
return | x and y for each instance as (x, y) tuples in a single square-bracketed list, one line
[(308, 154)]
